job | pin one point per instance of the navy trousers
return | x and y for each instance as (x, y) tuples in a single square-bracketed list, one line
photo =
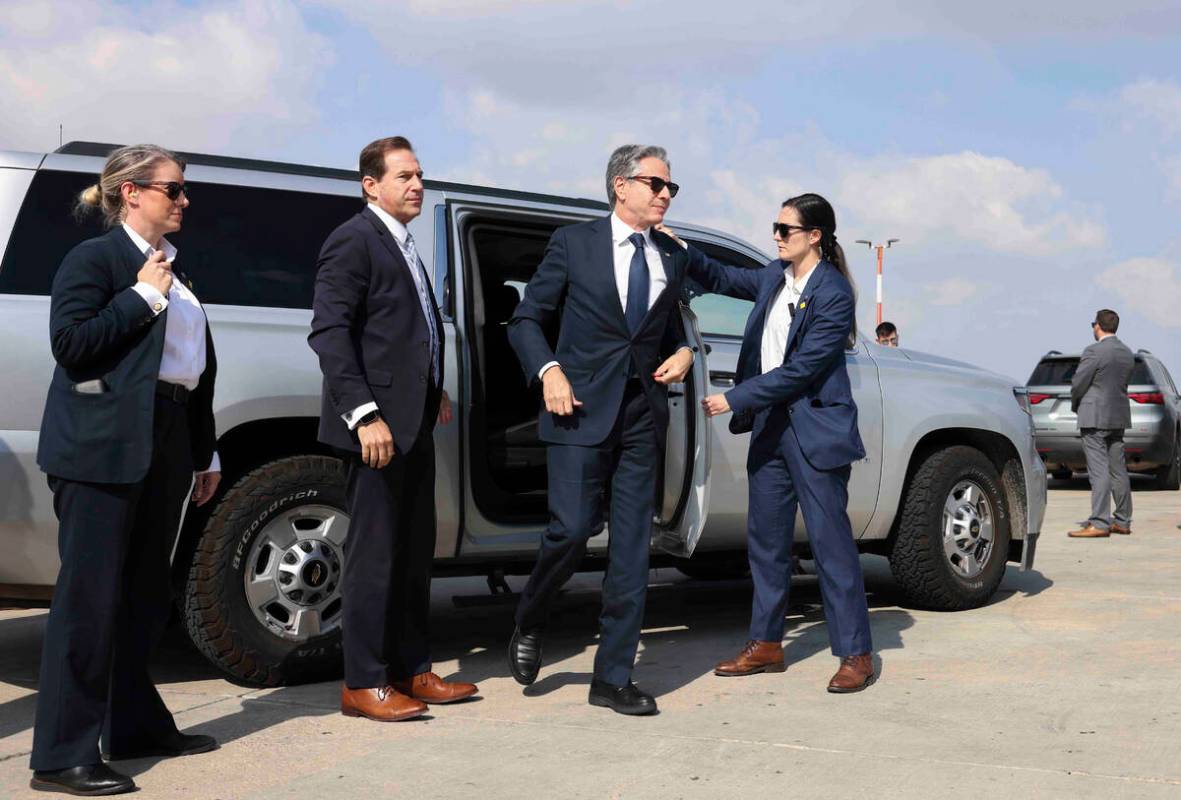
[(628, 459), (780, 481), (111, 605), (386, 585)]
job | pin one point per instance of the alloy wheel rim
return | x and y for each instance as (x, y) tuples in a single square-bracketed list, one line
[(293, 572), (968, 529)]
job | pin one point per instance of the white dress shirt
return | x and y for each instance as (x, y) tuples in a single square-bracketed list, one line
[(401, 236), (622, 251), (778, 322), (183, 358)]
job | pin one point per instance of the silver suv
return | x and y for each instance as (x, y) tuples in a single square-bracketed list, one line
[(1152, 444), (950, 490)]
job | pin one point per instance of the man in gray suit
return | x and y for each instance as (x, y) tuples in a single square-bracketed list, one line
[(1099, 395)]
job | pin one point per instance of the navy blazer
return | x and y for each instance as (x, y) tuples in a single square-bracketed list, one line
[(102, 330), (576, 283), (370, 335), (811, 383)]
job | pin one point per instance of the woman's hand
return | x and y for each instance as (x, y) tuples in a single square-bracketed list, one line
[(715, 404), (156, 272), (205, 486), (668, 232), (445, 413)]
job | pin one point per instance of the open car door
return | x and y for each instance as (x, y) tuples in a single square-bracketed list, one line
[(682, 510)]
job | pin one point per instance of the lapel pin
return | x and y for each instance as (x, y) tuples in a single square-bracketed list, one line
[(803, 304)]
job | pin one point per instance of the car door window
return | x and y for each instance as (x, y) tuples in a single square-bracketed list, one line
[(718, 315)]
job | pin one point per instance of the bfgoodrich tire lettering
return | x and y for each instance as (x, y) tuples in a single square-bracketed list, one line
[(941, 499), (218, 613)]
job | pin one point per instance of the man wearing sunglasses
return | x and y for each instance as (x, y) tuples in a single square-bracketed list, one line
[(1099, 395), (614, 284)]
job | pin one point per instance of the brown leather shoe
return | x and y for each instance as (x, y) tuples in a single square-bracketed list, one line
[(430, 688), (382, 703), (1117, 528), (1089, 531), (756, 657), (855, 674)]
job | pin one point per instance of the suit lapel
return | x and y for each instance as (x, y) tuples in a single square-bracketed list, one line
[(814, 283), (602, 271), (752, 343)]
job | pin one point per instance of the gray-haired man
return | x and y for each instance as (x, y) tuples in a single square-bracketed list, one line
[(614, 284), (1099, 395)]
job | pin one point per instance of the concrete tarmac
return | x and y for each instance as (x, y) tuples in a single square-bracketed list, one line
[(1067, 685)]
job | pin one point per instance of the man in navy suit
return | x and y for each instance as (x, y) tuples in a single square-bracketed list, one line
[(615, 285), (379, 337)]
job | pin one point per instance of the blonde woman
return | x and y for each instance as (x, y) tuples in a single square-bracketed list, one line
[(128, 421)]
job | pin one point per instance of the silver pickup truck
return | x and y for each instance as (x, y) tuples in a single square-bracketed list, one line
[(951, 487)]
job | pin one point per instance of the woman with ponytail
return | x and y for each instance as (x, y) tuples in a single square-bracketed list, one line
[(792, 392), (127, 430)]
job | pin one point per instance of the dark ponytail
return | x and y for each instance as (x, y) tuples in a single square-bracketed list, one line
[(816, 213)]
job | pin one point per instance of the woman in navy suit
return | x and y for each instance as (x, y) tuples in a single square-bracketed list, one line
[(127, 430), (792, 392)]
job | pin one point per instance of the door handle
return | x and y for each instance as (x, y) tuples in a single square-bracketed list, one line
[(721, 378), (672, 395)]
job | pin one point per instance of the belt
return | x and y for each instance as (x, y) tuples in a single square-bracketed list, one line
[(173, 391)]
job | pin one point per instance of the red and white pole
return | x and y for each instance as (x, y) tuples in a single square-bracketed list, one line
[(880, 248)]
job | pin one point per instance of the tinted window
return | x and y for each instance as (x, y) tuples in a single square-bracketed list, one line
[(1060, 371), (239, 245), (718, 315)]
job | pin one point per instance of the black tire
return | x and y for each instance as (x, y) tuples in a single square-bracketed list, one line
[(217, 613), (714, 566), (918, 560), (1168, 478), (1062, 474)]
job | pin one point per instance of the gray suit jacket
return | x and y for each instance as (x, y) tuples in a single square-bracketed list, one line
[(1099, 390)]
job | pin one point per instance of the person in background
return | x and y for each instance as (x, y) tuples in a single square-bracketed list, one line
[(128, 417), (887, 334), (1099, 395)]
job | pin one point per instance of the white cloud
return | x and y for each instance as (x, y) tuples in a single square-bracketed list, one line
[(950, 292), (209, 76), (1150, 286), (1156, 101)]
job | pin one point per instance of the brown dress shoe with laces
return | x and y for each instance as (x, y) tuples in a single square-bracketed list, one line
[(1089, 531), (756, 657), (382, 703), (855, 674), (430, 688), (1117, 528)]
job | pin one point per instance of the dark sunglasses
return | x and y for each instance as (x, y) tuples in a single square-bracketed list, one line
[(171, 189), (784, 230), (657, 185)]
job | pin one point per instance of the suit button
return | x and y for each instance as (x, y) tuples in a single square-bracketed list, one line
[(422, 378)]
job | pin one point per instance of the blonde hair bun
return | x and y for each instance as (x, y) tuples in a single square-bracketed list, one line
[(91, 196)]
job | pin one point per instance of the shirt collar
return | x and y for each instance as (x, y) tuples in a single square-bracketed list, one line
[(142, 245), (396, 228), (620, 231), (799, 285)]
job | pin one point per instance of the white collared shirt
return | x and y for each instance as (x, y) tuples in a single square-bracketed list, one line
[(401, 235), (622, 251), (778, 322), (183, 358)]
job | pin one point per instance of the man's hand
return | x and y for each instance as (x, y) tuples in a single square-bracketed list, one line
[(445, 414), (157, 272), (377, 443), (715, 404), (205, 486), (675, 367), (558, 393)]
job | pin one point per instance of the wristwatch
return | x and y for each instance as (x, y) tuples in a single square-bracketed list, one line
[(372, 416)]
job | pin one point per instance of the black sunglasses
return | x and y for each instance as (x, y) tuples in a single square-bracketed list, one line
[(657, 185), (784, 230), (172, 189)]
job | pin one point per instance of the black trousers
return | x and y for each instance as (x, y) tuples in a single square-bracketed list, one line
[(110, 605), (386, 589), (628, 459)]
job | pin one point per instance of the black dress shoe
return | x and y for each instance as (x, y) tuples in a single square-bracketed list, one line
[(621, 699), (524, 655), (179, 744), (93, 780)]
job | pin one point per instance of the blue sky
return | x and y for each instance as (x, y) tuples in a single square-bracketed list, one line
[(1028, 155)]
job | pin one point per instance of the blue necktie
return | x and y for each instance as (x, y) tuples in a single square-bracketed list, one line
[(637, 285), (424, 300)]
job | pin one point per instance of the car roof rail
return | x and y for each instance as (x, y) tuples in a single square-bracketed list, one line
[(1145, 351), (1054, 353), (103, 149)]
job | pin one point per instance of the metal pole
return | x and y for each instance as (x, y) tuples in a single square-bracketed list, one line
[(880, 249)]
